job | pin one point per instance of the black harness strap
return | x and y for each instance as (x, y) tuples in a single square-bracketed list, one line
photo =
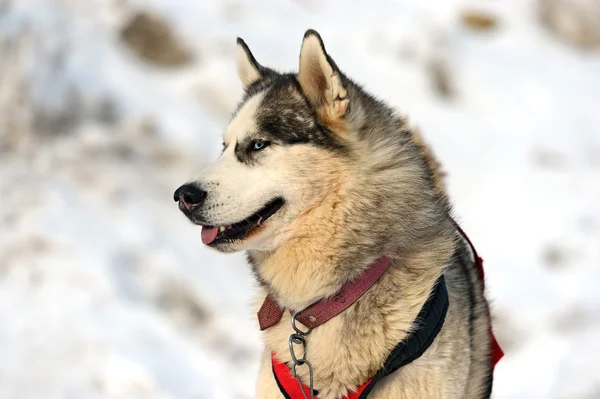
[(431, 319)]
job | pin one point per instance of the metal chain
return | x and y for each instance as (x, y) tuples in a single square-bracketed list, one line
[(298, 338)]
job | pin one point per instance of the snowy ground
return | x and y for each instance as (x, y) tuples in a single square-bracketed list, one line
[(106, 291)]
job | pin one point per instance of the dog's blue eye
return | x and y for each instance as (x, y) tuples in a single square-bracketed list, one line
[(258, 145)]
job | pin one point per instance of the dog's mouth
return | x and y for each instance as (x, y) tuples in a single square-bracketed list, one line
[(214, 235)]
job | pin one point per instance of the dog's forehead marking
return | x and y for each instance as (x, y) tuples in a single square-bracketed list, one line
[(244, 121)]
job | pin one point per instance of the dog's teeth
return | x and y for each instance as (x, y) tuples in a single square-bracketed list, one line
[(221, 229)]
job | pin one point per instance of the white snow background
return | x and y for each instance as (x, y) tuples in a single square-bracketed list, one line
[(106, 290)]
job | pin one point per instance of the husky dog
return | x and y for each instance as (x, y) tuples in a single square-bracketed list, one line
[(317, 180)]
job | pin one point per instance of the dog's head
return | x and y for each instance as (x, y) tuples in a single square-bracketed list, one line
[(295, 142), (278, 155)]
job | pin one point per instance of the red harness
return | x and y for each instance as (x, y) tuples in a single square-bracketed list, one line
[(270, 313), (496, 351), (289, 385)]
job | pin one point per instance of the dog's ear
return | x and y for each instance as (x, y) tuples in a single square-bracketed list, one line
[(320, 78), (249, 70)]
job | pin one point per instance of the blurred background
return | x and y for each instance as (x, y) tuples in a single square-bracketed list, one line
[(107, 106)]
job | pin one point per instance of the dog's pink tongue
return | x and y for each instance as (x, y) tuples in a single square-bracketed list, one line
[(209, 233)]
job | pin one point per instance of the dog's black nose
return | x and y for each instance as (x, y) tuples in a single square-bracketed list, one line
[(189, 196)]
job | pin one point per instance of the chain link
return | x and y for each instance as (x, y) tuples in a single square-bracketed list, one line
[(298, 338)]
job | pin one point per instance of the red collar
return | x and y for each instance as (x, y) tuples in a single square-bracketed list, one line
[(324, 310)]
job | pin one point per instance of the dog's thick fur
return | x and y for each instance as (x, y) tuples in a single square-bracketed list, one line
[(358, 183)]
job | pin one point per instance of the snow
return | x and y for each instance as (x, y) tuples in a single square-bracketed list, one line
[(106, 291)]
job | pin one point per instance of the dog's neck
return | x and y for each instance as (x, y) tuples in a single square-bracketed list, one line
[(307, 270), (296, 278)]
